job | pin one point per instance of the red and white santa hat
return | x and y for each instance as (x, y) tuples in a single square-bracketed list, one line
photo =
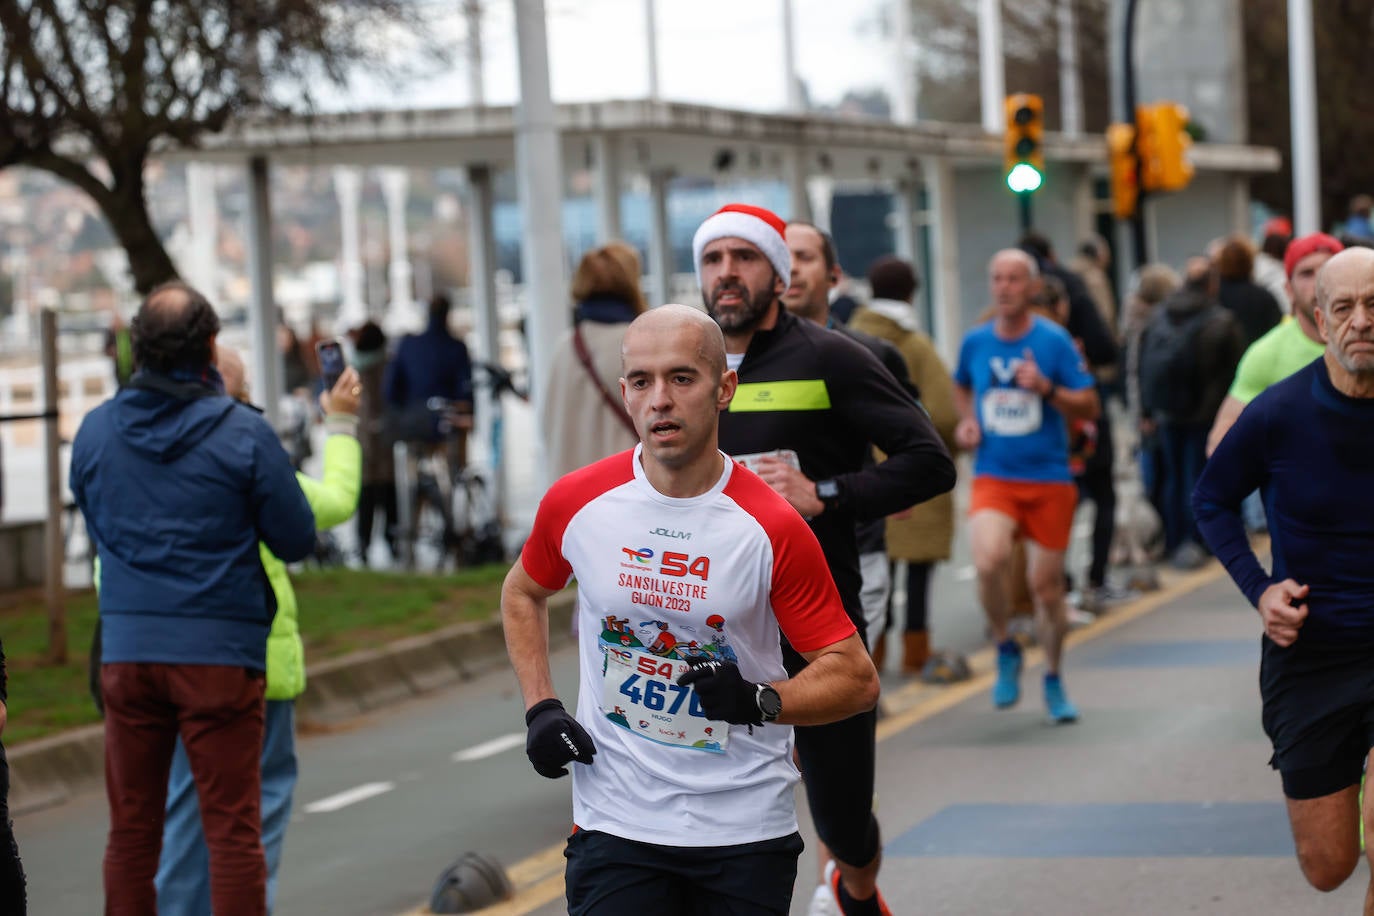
[(762, 228)]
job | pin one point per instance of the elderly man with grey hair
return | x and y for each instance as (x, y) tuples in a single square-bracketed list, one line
[(1305, 443)]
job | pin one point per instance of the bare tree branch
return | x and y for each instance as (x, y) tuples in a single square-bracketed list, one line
[(120, 75)]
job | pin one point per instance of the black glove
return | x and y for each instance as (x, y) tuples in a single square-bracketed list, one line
[(555, 738), (725, 695)]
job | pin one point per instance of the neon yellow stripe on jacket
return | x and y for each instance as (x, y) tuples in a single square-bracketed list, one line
[(765, 397)]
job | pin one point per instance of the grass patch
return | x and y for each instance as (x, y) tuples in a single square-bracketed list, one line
[(341, 611)]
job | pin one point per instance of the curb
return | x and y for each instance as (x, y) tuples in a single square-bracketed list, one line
[(52, 770)]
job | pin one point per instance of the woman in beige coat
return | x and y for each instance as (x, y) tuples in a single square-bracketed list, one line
[(921, 536), (583, 417)]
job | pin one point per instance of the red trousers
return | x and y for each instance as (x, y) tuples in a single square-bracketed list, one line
[(218, 712)]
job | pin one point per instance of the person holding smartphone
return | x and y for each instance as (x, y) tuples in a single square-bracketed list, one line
[(183, 875)]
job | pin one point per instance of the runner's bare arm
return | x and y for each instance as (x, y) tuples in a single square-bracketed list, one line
[(1226, 418), (525, 617), (1082, 404), (838, 681), (967, 433)]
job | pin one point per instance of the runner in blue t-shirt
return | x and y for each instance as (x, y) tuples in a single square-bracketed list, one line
[(1018, 382)]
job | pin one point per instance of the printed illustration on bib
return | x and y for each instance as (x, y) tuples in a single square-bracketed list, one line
[(661, 631), (643, 660)]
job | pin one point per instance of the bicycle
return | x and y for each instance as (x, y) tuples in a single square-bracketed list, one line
[(449, 510)]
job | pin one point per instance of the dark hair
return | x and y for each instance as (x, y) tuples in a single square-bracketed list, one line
[(439, 305), (1199, 274), (1236, 260), (1275, 244), (1052, 291), (828, 251), (1037, 246), (174, 328), (369, 337), (891, 277)]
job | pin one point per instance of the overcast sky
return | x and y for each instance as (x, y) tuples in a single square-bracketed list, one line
[(722, 52)]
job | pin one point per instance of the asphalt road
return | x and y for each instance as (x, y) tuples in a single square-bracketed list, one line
[(380, 853)]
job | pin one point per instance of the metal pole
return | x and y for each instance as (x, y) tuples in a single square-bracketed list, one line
[(904, 92), (1024, 206), (789, 60), (947, 326), (651, 28), (992, 80), (401, 310), (660, 245), (1302, 102), (266, 359), (1138, 247), (203, 216), (482, 274), (348, 187), (54, 554), (1070, 94), (606, 150), (477, 93), (539, 181)]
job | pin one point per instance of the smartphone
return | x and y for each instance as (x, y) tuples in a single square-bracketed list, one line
[(332, 362)]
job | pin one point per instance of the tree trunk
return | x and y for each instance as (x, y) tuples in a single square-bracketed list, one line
[(127, 213)]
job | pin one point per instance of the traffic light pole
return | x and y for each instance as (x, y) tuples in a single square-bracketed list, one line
[(1024, 199), (1128, 89)]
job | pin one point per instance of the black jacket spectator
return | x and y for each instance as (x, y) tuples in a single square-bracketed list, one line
[(1254, 306)]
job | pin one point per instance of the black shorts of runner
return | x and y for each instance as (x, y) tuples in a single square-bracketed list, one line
[(609, 876), (837, 764), (1319, 714)]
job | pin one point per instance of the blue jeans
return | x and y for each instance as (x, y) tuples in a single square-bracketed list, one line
[(1252, 512), (1183, 450), (183, 873)]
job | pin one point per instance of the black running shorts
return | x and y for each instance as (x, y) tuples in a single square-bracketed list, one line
[(1319, 713), (611, 876)]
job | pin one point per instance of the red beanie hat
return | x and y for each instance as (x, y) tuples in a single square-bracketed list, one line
[(762, 228), (1308, 244)]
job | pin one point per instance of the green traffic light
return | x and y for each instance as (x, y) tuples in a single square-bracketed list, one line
[(1024, 178)]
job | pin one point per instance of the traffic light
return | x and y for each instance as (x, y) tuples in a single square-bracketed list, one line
[(1121, 155), (1024, 158), (1163, 146)]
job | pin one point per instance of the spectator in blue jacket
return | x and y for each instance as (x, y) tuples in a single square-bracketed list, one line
[(178, 484), (432, 364)]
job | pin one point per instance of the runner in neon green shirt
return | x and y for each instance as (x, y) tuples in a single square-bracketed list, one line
[(1288, 346)]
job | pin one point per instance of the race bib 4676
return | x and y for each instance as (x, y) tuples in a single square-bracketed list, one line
[(640, 693)]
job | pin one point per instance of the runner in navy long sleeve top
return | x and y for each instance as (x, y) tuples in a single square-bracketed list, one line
[(1310, 451), (1307, 443)]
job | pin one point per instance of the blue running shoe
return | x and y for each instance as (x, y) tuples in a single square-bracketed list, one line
[(1061, 709), (1007, 690)]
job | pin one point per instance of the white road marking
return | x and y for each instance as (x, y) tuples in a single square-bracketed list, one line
[(489, 748), (349, 797)]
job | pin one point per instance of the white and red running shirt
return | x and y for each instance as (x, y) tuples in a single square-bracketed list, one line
[(661, 581)]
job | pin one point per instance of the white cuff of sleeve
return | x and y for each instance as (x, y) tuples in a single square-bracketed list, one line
[(341, 424)]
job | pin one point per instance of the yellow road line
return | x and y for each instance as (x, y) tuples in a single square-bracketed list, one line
[(917, 702), (905, 707)]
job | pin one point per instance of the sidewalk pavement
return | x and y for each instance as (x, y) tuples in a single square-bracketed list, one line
[(50, 770)]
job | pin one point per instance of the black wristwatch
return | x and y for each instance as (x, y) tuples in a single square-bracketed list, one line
[(769, 703), (828, 492)]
